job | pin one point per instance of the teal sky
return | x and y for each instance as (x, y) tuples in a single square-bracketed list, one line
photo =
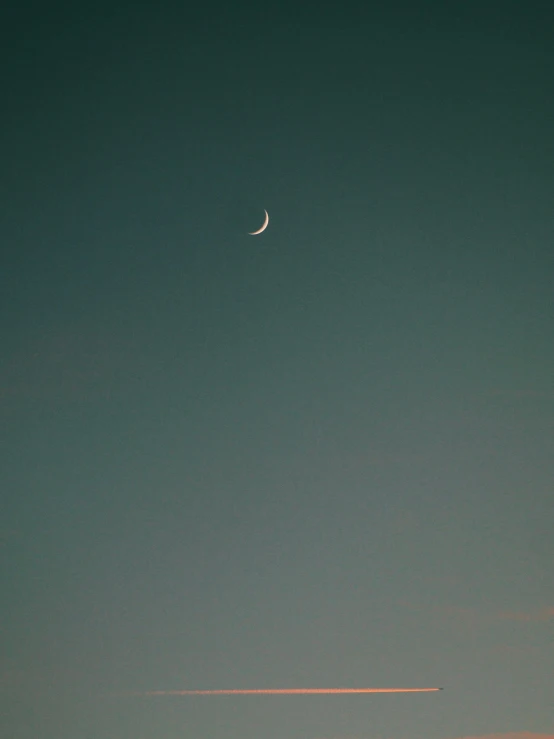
[(318, 457)]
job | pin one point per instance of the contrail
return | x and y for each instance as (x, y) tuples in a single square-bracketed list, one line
[(293, 691)]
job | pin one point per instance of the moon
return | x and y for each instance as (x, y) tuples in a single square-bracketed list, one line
[(264, 226)]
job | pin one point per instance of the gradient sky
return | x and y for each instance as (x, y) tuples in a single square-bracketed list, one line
[(319, 457)]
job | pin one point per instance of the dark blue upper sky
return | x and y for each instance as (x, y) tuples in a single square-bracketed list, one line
[(318, 457)]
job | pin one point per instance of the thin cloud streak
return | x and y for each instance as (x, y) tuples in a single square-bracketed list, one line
[(512, 735), (473, 617), (293, 691), (540, 614)]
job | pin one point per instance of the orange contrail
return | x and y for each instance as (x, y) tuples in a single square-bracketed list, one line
[(293, 691)]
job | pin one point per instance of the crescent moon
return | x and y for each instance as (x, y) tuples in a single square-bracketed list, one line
[(263, 228)]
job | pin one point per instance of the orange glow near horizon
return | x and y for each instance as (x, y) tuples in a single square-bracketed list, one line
[(294, 691)]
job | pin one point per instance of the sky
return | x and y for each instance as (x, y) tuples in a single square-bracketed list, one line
[(317, 457)]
